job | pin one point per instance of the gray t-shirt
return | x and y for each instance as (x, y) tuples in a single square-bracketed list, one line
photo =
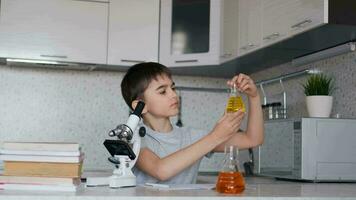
[(164, 144)]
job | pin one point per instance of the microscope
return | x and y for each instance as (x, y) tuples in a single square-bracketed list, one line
[(124, 152)]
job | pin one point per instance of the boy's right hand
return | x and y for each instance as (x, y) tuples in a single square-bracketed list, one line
[(228, 125)]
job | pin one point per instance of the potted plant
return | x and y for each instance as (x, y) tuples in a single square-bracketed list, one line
[(318, 90)]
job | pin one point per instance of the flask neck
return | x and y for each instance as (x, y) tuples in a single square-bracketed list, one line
[(231, 163), (233, 91)]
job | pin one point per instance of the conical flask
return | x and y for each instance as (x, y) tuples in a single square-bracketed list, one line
[(235, 102), (230, 180)]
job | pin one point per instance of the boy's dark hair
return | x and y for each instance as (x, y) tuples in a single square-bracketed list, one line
[(137, 79)]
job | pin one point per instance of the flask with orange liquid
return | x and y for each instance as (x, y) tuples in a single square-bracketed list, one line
[(230, 180), (235, 102)]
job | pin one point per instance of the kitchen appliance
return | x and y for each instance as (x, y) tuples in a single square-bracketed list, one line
[(311, 149)]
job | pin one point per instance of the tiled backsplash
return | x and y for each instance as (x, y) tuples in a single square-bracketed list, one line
[(342, 68), (81, 106)]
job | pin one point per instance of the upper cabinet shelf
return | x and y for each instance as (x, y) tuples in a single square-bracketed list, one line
[(56, 30)]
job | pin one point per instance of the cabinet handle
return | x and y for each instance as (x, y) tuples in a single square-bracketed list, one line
[(300, 24), (132, 61), (248, 46), (226, 55), (185, 61), (95, 1), (53, 56), (244, 47), (272, 36)]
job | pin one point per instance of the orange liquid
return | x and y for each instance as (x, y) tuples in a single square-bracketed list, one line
[(230, 183), (234, 104)]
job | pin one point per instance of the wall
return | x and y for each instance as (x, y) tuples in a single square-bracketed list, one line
[(82, 106), (39, 104), (342, 68)]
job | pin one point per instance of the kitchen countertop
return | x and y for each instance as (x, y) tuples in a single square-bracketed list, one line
[(256, 188)]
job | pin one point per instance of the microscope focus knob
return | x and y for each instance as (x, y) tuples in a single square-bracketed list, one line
[(115, 132), (142, 131)]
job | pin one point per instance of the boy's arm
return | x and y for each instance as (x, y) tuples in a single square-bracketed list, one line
[(254, 133), (253, 136), (169, 166)]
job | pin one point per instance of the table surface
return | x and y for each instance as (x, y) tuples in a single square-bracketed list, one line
[(256, 188)]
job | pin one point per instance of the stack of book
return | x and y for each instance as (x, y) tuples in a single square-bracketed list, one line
[(41, 166)]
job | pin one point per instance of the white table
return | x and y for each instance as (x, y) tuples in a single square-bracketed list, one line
[(256, 188)]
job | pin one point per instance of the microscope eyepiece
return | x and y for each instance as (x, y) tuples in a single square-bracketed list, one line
[(139, 108)]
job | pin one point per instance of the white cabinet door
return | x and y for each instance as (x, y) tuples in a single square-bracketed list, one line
[(250, 25), (307, 14), (190, 32), (275, 20), (230, 31), (133, 31), (59, 30)]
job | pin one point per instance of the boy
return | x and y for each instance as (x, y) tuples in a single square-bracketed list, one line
[(170, 154)]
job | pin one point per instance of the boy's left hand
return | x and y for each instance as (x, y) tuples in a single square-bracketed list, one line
[(244, 84)]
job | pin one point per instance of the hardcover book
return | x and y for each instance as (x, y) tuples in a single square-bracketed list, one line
[(33, 187), (43, 169), (40, 153), (41, 146), (42, 158), (39, 180)]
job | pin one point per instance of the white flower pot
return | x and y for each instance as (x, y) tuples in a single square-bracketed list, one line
[(319, 106)]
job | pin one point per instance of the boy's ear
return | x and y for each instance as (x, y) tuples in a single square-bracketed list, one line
[(134, 104)]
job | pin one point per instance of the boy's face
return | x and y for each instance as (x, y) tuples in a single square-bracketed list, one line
[(161, 98)]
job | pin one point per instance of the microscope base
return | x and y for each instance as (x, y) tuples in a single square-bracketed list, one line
[(97, 181), (112, 181), (122, 181)]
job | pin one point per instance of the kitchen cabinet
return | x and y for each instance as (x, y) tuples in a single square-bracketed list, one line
[(56, 30), (196, 33), (250, 25), (307, 14), (286, 18), (275, 23), (263, 23), (133, 32)]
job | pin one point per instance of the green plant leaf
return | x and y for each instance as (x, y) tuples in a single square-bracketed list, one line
[(318, 84)]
